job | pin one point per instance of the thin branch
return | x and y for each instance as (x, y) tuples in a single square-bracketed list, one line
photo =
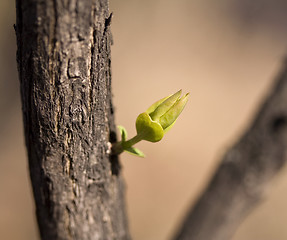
[(244, 172)]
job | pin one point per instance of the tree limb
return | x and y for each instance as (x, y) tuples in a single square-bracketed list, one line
[(64, 69), (244, 172)]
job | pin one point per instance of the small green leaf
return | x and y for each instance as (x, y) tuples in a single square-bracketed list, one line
[(165, 106), (124, 134), (156, 104), (135, 151), (172, 114), (148, 129), (168, 128)]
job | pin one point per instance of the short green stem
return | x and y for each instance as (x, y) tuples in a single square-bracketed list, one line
[(132, 141), (119, 147)]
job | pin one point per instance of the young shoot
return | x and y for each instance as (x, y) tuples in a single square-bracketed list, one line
[(152, 124)]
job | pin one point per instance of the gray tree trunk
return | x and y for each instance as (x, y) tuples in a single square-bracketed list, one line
[(64, 69), (244, 173)]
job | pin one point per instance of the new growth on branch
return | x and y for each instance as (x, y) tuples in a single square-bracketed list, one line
[(152, 124)]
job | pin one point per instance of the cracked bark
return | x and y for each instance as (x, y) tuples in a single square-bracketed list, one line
[(244, 172), (64, 69)]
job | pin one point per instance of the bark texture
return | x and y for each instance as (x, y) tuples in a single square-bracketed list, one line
[(64, 69), (244, 173)]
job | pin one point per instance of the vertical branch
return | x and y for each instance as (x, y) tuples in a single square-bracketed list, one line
[(64, 69)]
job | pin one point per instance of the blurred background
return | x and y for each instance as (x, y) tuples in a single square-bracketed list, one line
[(226, 53)]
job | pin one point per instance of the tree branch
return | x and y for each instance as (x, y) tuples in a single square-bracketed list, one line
[(244, 173), (64, 69)]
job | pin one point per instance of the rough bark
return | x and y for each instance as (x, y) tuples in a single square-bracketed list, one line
[(64, 69), (244, 173)]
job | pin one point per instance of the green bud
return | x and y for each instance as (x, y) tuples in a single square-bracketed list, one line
[(152, 124), (160, 117)]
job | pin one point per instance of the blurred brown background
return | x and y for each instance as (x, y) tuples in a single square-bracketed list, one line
[(226, 53)]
